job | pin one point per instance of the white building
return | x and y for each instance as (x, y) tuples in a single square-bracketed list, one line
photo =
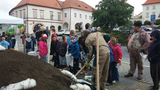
[(150, 7), (137, 18), (66, 15)]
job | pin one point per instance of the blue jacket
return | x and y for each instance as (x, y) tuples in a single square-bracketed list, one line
[(154, 51), (111, 54), (28, 43), (74, 49), (5, 44), (69, 40), (13, 42), (33, 40)]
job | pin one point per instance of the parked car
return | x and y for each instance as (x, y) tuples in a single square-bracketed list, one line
[(149, 37), (63, 32)]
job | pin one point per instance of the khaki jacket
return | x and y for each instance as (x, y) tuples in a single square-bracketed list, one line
[(144, 41), (91, 41)]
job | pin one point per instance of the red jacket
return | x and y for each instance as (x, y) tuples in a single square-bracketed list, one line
[(43, 49), (117, 53)]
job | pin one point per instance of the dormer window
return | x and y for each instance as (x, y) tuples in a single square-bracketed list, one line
[(79, 5), (85, 7)]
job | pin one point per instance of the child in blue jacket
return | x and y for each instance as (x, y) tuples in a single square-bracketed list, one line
[(74, 51), (4, 43)]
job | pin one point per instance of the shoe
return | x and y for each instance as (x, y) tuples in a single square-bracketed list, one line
[(86, 73), (81, 72), (139, 77), (108, 84), (114, 82), (129, 75)]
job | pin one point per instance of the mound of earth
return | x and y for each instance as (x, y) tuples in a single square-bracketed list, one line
[(16, 66)]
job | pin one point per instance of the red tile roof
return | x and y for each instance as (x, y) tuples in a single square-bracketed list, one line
[(78, 5), (151, 2)]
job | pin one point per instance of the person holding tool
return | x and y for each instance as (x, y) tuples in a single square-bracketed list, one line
[(104, 57)]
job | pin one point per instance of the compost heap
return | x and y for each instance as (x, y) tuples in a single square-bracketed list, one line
[(16, 66)]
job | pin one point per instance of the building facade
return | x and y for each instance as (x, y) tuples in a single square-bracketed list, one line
[(150, 7), (137, 18), (70, 14)]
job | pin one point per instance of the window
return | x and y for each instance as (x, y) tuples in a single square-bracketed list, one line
[(42, 15), (147, 15), (85, 16), (24, 14), (16, 14), (59, 17), (51, 15), (80, 15), (75, 15), (65, 15), (35, 14), (148, 8), (20, 14), (154, 7), (90, 17)]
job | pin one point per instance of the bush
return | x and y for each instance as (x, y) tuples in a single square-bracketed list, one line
[(147, 22), (157, 21)]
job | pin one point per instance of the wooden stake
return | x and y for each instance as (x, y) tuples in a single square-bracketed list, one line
[(49, 46), (98, 88), (80, 70)]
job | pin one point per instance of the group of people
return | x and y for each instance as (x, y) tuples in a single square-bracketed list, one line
[(7, 41)]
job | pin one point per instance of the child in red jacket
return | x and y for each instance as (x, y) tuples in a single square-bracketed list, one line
[(117, 54)]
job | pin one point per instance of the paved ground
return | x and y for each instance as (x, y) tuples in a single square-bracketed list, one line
[(125, 83)]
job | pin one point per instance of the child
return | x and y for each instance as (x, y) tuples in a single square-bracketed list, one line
[(72, 33), (4, 43), (28, 44), (62, 49), (117, 54), (13, 40), (154, 59), (109, 81), (33, 42), (54, 52), (64, 37), (74, 51), (43, 49)]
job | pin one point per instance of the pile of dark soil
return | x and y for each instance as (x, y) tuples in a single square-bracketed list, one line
[(16, 66)]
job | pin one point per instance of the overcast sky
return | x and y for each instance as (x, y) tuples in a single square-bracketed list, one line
[(7, 5)]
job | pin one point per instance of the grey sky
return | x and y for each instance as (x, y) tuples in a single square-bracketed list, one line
[(7, 5)]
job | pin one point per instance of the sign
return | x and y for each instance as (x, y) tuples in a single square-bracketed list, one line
[(153, 18)]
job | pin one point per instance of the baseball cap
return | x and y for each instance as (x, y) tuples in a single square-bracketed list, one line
[(44, 36)]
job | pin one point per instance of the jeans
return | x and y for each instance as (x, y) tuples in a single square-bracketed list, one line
[(115, 73), (27, 50), (44, 59), (62, 60)]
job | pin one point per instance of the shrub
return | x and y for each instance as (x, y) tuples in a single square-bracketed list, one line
[(147, 22)]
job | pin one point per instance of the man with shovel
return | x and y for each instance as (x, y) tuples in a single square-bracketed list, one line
[(104, 57)]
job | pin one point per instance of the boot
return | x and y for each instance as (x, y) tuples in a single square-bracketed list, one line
[(139, 77), (129, 75)]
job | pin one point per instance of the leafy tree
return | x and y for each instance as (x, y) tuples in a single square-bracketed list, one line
[(157, 21), (147, 22), (111, 12)]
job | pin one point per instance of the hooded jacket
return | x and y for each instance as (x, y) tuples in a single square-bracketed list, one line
[(43, 49), (117, 53), (62, 49), (74, 49), (13, 42), (5, 44), (154, 51), (28, 43)]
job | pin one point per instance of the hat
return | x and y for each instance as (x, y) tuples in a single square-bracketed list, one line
[(107, 37), (44, 36), (138, 24), (72, 38)]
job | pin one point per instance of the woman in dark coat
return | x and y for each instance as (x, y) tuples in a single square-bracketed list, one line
[(154, 59)]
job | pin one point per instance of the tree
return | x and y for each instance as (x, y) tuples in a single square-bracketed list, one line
[(157, 21), (111, 12), (147, 22)]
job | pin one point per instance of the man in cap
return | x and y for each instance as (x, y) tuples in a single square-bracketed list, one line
[(139, 42), (104, 57)]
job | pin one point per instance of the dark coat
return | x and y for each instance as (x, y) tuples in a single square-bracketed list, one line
[(82, 42), (53, 47), (62, 49), (154, 51), (39, 34)]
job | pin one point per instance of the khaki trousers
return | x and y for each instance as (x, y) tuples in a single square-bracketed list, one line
[(103, 70), (135, 58)]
